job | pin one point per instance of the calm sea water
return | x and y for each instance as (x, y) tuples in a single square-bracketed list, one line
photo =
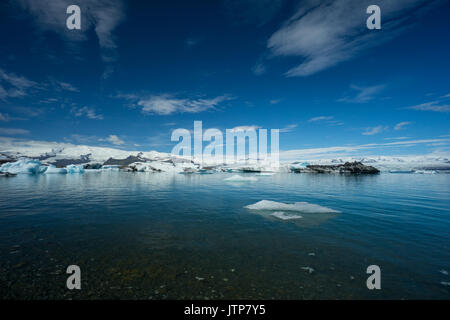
[(158, 236)]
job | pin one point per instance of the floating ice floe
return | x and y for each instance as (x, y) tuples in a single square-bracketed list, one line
[(297, 206), (283, 216), (28, 166), (238, 178)]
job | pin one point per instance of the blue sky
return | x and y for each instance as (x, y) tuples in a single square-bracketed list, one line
[(139, 69)]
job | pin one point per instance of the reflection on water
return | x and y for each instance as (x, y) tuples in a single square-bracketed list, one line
[(164, 236)]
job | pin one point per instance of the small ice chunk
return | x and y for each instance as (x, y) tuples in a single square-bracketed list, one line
[(238, 178), (297, 206), (444, 272), (283, 216), (309, 269), (444, 283)]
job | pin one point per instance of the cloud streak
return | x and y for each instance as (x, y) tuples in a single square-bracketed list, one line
[(88, 112), (348, 150), (167, 104), (435, 106), (402, 125), (113, 139), (14, 86), (374, 130), (325, 33), (363, 94), (13, 131)]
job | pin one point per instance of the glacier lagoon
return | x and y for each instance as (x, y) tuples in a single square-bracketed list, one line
[(175, 236)]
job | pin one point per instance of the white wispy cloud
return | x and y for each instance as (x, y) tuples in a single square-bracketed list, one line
[(328, 120), (333, 151), (88, 112), (374, 130), (4, 117), (402, 125), (80, 138), (13, 131), (27, 111), (191, 42), (435, 106), (397, 138), (167, 104), (362, 94), (14, 86), (103, 16), (275, 101), (244, 128), (259, 69), (325, 33), (321, 118), (62, 86), (289, 128), (112, 138)]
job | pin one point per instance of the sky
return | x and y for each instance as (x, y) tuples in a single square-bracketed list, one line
[(137, 70)]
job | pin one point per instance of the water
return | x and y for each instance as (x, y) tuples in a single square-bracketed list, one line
[(159, 236)]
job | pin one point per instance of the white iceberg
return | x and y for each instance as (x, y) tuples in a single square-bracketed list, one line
[(298, 165), (75, 168), (51, 169), (283, 216), (297, 206), (238, 178), (28, 166), (159, 166)]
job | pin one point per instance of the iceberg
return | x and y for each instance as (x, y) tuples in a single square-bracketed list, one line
[(238, 178), (297, 206), (298, 165), (75, 168), (28, 166), (51, 169)]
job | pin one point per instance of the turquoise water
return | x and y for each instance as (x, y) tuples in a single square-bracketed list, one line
[(158, 236)]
